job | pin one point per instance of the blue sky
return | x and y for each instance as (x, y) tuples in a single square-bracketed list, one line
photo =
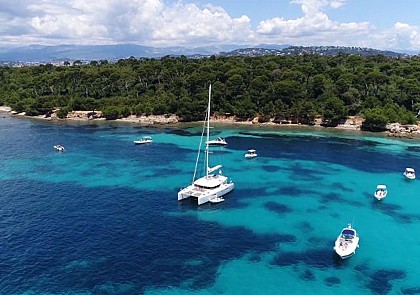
[(381, 24)]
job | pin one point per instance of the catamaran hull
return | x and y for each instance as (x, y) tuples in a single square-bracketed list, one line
[(204, 196)]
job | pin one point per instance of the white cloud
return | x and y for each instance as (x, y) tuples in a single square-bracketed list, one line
[(185, 24), (65, 22), (314, 24), (321, 4), (149, 22), (338, 4), (401, 36)]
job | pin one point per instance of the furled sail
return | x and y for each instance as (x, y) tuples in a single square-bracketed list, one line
[(212, 169)]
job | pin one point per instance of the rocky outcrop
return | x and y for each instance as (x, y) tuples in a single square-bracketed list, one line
[(402, 131), (152, 119), (352, 122), (85, 115)]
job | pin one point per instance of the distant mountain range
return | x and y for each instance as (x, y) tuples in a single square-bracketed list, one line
[(60, 53), (39, 53)]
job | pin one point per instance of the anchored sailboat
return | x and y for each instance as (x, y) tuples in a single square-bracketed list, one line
[(212, 186)]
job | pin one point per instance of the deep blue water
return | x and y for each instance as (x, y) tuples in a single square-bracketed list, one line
[(103, 217)]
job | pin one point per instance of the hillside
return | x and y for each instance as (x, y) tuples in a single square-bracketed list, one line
[(37, 54), (296, 88)]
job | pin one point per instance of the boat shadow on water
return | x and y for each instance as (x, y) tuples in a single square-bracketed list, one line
[(394, 211), (321, 258)]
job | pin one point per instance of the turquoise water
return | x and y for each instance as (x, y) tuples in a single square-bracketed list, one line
[(103, 217)]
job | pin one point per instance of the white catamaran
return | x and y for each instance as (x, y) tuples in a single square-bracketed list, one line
[(212, 186)]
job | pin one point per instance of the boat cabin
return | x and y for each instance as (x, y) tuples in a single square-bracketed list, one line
[(210, 182)]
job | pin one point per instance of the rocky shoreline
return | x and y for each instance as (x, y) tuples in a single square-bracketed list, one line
[(352, 123)]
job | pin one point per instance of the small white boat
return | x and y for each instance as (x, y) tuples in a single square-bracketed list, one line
[(381, 192), (59, 148), (143, 140), (216, 200), (251, 154), (219, 141), (409, 173), (347, 242)]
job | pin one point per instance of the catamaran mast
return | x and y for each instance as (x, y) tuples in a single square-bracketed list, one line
[(208, 134)]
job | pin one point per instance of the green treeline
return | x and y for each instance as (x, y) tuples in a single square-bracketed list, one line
[(296, 88)]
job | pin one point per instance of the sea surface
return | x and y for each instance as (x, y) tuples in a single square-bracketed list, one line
[(103, 217)]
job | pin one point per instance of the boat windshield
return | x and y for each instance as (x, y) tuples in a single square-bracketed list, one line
[(348, 234)]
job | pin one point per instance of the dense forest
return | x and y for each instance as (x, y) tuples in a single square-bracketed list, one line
[(295, 88)]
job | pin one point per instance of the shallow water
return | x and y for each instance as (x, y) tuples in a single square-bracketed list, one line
[(102, 217)]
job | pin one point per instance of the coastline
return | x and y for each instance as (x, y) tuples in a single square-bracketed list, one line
[(353, 123)]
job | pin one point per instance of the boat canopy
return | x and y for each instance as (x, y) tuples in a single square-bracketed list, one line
[(381, 186), (212, 169), (211, 181), (348, 233), (409, 170), (251, 151)]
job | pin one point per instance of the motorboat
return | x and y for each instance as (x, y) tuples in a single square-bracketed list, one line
[(217, 200), (219, 141), (381, 192), (213, 184), (143, 140), (251, 154), (409, 173), (347, 242), (59, 148)]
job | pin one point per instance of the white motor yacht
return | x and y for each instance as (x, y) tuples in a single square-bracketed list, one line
[(219, 141), (251, 154), (347, 242), (143, 140), (381, 192), (59, 148), (409, 173)]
